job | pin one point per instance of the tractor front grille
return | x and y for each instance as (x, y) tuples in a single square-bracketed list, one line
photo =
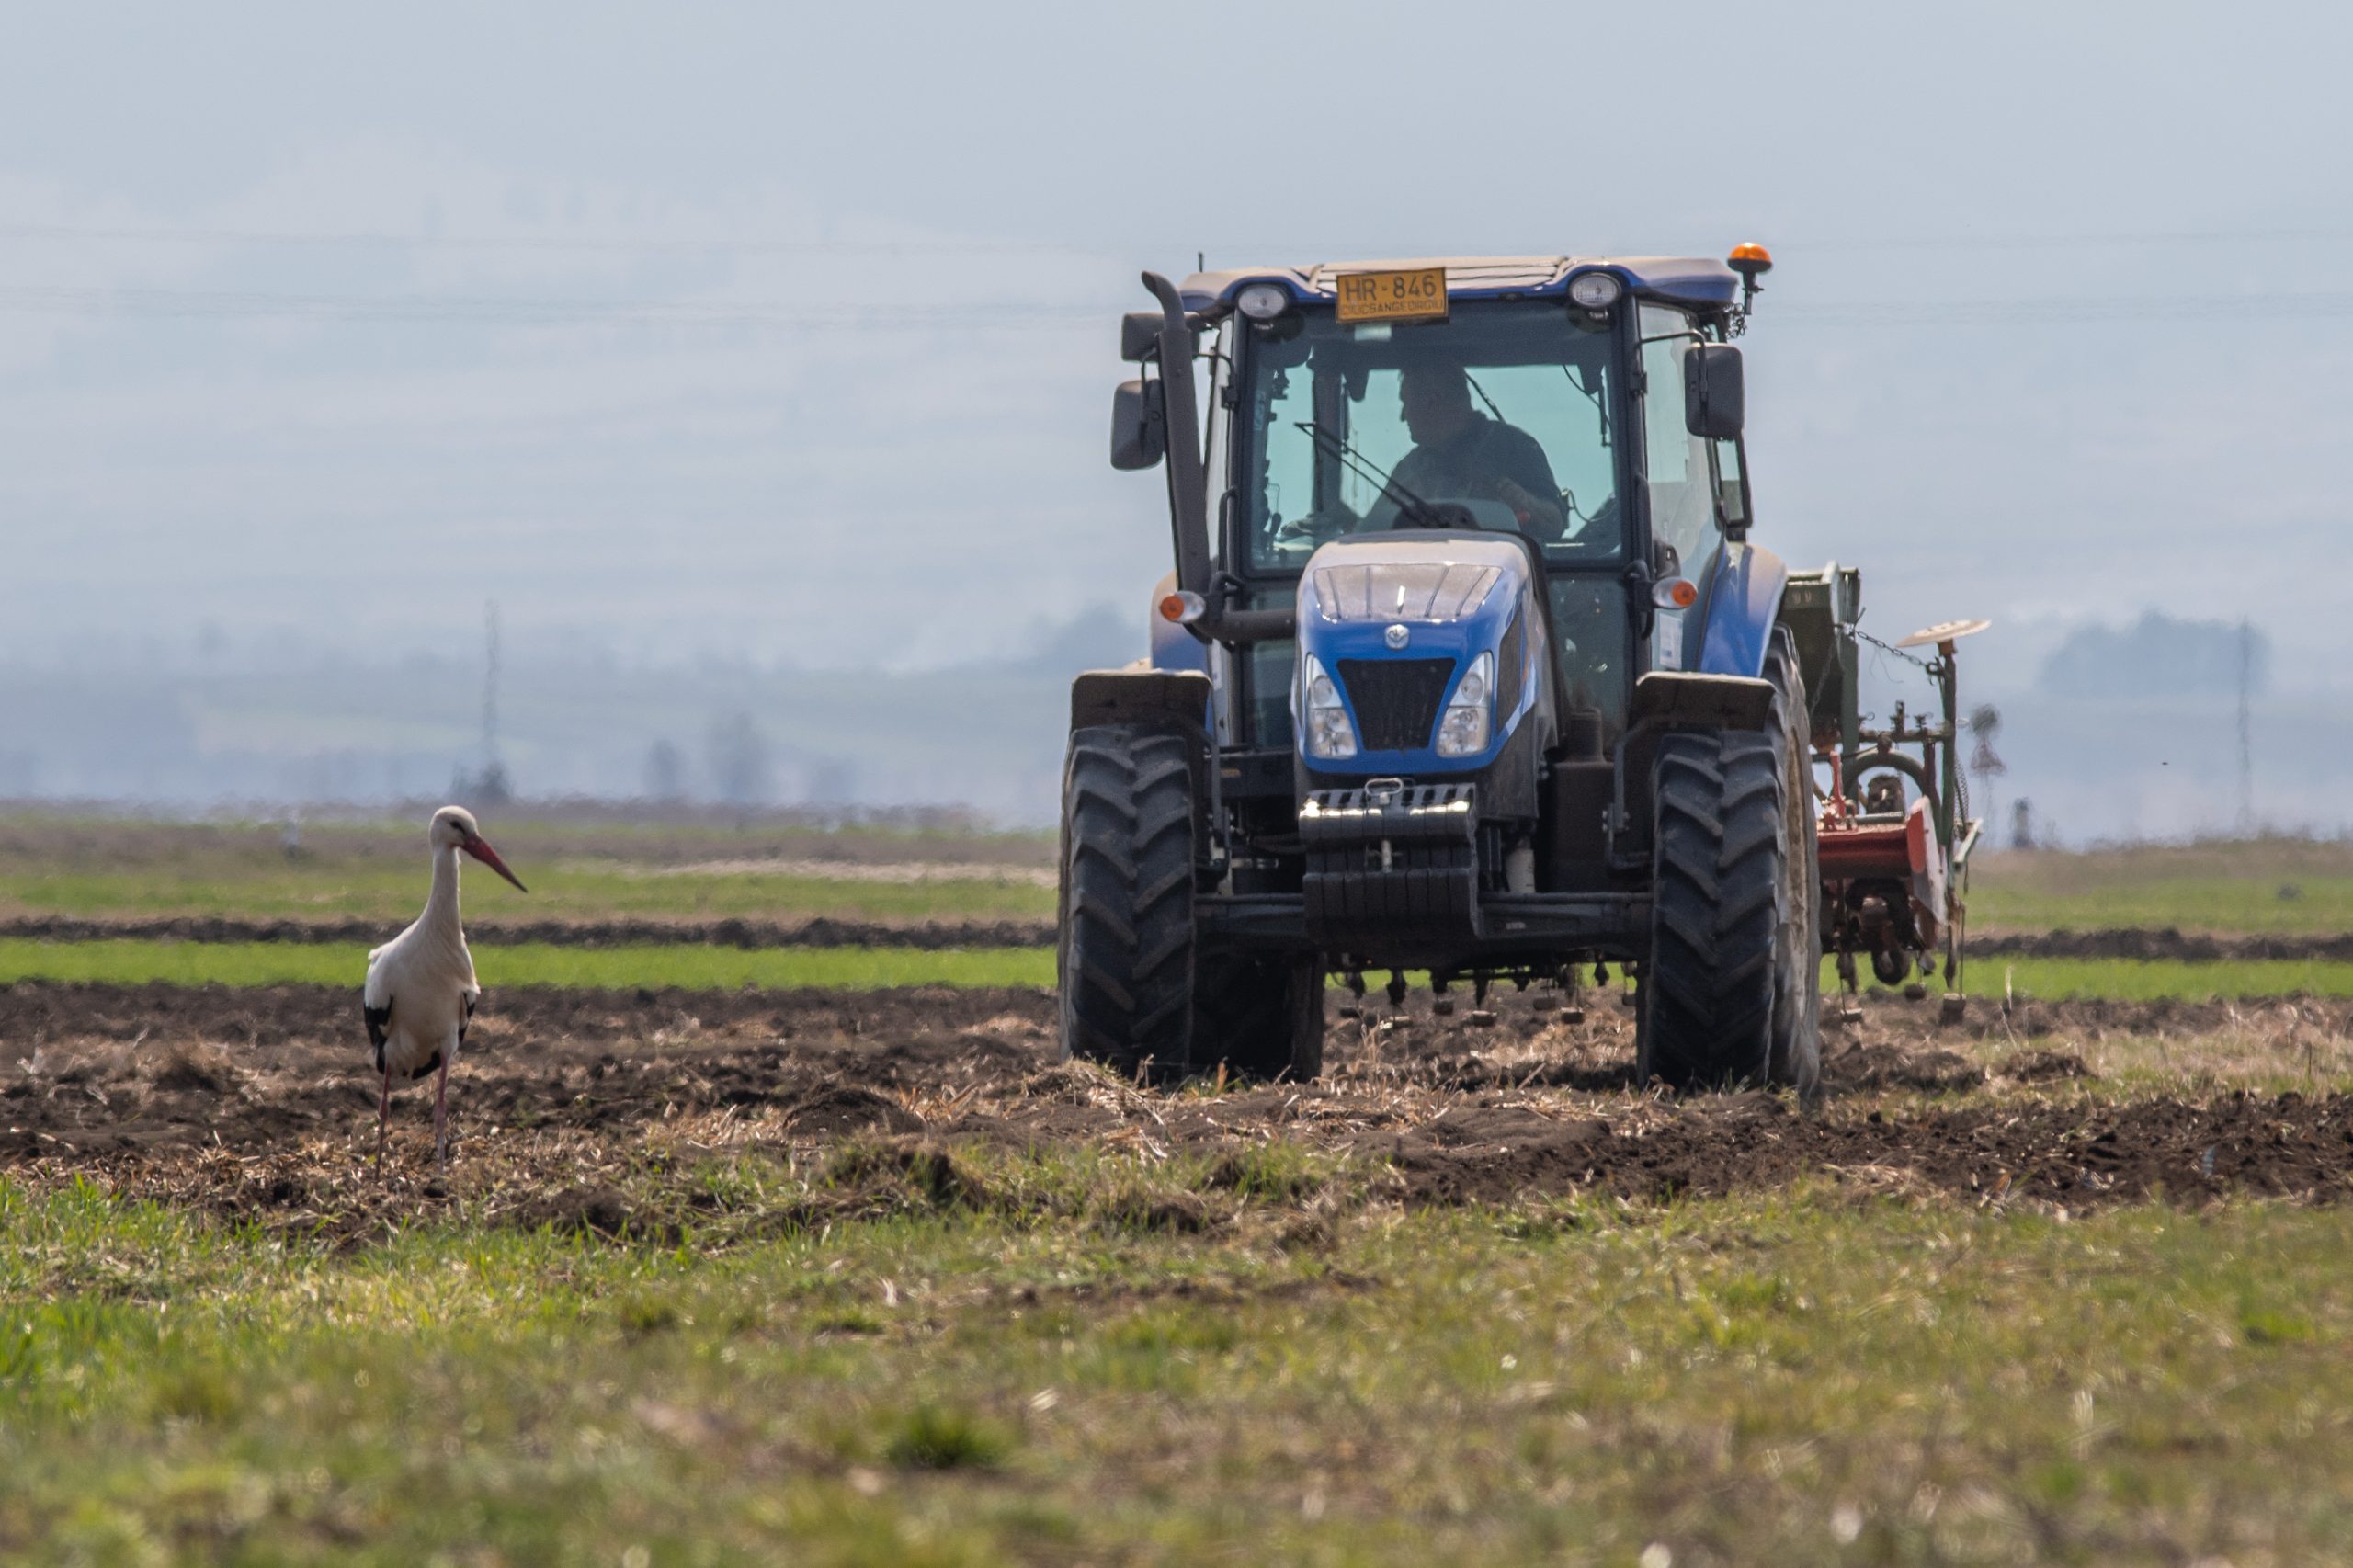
[(1396, 699)]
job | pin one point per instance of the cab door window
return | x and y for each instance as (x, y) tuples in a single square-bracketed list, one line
[(1679, 477)]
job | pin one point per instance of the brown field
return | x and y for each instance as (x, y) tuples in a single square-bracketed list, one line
[(2162, 945), (258, 1104)]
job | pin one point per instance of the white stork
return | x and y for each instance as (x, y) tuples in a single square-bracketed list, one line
[(421, 988)]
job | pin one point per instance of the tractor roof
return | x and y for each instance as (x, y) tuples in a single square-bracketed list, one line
[(1684, 280)]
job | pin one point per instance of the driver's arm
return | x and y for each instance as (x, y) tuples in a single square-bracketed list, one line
[(1538, 515), (1526, 484)]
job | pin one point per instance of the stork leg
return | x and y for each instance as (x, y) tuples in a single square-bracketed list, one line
[(383, 1114), (441, 1113)]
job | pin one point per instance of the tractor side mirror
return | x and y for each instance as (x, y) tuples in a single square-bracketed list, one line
[(1715, 395), (1139, 425), (1138, 335)]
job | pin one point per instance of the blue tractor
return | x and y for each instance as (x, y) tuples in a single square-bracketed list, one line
[(1467, 668)]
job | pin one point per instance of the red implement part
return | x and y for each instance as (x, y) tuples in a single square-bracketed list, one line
[(1877, 849), (1905, 852)]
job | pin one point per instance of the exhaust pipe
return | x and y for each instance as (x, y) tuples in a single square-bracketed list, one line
[(1188, 489)]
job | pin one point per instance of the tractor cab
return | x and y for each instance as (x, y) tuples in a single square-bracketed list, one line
[(1541, 398)]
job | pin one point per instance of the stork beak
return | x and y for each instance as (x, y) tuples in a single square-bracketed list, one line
[(479, 848)]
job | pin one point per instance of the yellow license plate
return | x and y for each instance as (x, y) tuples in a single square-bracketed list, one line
[(1417, 295)]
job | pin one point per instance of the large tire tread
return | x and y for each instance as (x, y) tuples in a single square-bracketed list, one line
[(1126, 961), (1725, 1000)]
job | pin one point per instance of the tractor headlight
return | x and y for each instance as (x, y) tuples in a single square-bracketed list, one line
[(1463, 731), (1329, 732), (1262, 301), (1596, 291)]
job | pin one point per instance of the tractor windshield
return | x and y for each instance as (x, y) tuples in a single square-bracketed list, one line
[(1498, 418)]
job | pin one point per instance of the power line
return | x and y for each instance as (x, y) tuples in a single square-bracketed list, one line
[(164, 234), (1962, 245), (1933, 312), (714, 246), (239, 305)]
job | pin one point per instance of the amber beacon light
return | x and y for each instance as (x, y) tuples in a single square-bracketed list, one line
[(1752, 261)]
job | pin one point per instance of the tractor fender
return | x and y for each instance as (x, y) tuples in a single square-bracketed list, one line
[(1738, 609), (1679, 700), (1169, 702), (1147, 699), (1713, 698)]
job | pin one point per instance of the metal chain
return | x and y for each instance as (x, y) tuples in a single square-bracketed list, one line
[(1925, 667)]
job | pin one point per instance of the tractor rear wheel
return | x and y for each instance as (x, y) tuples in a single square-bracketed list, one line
[(1260, 1014), (1732, 994), (1124, 961)]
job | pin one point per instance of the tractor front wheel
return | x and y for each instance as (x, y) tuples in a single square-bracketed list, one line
[(1124, 960), (1138, 993), (1732, 994)]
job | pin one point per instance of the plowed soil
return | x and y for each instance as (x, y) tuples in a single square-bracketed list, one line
[(2154, 944), (261, 1104)]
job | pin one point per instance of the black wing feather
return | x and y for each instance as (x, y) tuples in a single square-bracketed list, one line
[(378, 1025)]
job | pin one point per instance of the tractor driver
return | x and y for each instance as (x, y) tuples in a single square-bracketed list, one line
[(1461, 454), (1458, 454)]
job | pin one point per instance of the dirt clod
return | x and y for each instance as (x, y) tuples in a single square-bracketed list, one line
[(2043, 1066), (831, 1110), (599, 1210), (200, 1067)]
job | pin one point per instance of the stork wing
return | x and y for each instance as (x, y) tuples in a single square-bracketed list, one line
[(471, 998), (380, 1020)]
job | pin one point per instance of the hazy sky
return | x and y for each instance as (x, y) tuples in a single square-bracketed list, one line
[(789, 330)]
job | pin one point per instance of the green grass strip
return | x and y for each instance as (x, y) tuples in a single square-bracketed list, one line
[(562, 891), (695, 969), (2142, 979), (2313, 906), (866, 968)]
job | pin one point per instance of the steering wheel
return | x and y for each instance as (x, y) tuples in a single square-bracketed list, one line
[(1314, 528), (1436, 515), (1596, 529)]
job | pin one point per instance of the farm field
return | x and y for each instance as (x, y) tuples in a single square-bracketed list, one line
[(131, 870), (810, 1251), (693, 968), (105, 870), (876, 1279), (2268, 887), (370, 871), (117, 961)]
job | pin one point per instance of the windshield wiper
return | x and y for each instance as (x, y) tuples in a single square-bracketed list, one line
[(1592, 396), (1485, 398), (1408, 504)]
